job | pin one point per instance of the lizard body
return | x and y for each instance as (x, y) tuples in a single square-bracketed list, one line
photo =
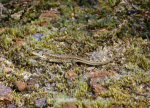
[(68, 58)]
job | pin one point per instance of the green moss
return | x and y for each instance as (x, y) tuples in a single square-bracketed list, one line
[(81, 89), (136, 56), (80, 31)]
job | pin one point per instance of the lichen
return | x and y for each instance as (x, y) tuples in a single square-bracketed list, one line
[(66, 27)]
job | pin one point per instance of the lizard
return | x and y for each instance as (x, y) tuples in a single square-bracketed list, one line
[(69, 58)]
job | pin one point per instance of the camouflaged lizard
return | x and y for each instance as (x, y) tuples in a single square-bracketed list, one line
[(68, 58)]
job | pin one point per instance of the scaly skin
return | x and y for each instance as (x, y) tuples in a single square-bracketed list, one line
[(68, 58)]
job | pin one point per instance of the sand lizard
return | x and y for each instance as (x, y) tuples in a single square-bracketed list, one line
[(67, 58)]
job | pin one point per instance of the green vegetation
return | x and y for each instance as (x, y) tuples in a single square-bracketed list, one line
[(95, 30)]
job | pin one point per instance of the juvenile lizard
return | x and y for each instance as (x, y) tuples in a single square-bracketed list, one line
[(68, 58)]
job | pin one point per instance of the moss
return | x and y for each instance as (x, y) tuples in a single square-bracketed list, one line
[(80, 31), (136, 56), (82, 89)]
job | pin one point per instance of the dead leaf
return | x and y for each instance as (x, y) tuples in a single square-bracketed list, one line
[(42, 23), (49, 14), (99, 89), (100, 74), (2, 30), (70, 105), (70, 75), (21, 86), (18, 43)]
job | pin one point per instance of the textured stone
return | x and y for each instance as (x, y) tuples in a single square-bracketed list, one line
[(40, 102), (5, 94)]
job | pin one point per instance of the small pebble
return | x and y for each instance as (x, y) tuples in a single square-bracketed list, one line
[(11, 106), (40, 103), (38, 36)]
